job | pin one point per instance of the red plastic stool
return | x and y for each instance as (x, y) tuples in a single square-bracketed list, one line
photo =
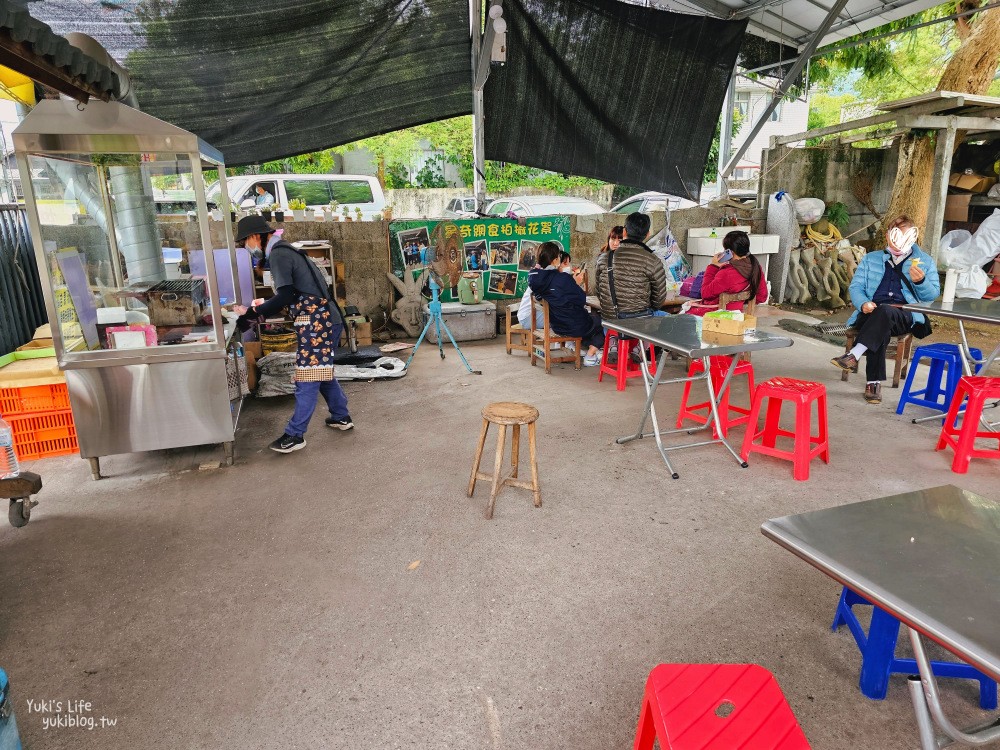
[(624, 368), (716, 707), (963, 439), (701, 413), (807, 446)]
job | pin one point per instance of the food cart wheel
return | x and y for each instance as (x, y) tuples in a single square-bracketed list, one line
[(19, 512)]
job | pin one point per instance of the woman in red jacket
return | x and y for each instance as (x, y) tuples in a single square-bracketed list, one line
[(731, 272)]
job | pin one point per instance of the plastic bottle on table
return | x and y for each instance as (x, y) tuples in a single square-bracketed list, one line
[(8, 458)]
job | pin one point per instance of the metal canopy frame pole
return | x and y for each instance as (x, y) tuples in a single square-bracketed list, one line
[(478, 140), (786, 83), (726, 134)]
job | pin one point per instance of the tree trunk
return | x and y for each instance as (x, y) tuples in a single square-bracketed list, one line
[(381, 171), (970, 71)]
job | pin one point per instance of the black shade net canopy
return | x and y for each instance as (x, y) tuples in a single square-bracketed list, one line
[(605, 89), (262, 81), (599, 88)]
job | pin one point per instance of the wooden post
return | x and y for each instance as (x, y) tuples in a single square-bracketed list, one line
[(943, 152)]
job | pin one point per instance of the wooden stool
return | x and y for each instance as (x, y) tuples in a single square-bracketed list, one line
[(505, 413), (518, 337), (899, 347)]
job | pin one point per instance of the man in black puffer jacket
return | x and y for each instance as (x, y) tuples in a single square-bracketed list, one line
[(567, 314)]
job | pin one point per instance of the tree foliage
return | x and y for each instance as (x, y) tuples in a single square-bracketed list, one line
[(712, 163)]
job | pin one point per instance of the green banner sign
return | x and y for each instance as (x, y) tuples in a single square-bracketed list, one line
[(499, 251)]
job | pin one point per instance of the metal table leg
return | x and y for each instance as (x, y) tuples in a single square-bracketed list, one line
[(927, 707), (652, 382)]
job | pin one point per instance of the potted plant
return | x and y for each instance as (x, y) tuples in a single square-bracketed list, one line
[(265, 212), (358, 214), (347, 214), (298, 208), (279, 213), (322, 214), (332, 208), (387, 213), (234, 212), (216, 214)]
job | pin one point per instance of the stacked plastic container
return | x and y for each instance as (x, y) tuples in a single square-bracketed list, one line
[(41, 419), (34, 401)]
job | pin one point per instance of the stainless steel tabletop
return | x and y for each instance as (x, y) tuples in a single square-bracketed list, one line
[(682, 334), (931, 558), (978, 310)]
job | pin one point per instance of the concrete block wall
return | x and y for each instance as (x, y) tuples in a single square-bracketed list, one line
[(827, 172), (363, 247)]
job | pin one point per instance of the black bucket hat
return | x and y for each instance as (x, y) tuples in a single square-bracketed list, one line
[(249, 225)]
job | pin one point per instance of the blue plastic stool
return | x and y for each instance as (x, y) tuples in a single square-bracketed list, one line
[(878, 653), (942, 376), (9, 738)]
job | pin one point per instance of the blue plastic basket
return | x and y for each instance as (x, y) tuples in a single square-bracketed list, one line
[(9, 738)]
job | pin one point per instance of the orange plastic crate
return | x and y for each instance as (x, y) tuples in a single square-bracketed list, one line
[(44, 434), (33, 398)]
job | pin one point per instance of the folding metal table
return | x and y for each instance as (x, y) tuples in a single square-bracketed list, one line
[(930, 559), (682, 334), (962, 310)]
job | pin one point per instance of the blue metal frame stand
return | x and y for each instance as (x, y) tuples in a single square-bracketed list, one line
[(434, 316)]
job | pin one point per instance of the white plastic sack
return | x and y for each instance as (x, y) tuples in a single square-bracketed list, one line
[(967, 253), (809, 210)]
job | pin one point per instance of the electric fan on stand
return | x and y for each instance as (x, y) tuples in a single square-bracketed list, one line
[(442, 263)]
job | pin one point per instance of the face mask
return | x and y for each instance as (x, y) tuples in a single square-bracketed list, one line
[(567, 269), (901, 241)]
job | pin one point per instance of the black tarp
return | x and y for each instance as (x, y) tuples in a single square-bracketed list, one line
[(605, 89), (265, 80)]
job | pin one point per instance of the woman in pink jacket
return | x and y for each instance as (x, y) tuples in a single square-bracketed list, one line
[(732, 271)]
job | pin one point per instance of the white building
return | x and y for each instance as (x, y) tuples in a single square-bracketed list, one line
[(791, 116)]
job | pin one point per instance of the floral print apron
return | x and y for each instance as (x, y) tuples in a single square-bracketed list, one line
[(316, 347)]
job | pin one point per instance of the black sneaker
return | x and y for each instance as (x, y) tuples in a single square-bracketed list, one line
[(340, 424), (287, 443)]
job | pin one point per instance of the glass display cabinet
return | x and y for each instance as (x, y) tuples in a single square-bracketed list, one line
[(150, 351)]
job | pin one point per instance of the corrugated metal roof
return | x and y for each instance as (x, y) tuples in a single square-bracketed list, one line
[(793, 22), (44, 42)]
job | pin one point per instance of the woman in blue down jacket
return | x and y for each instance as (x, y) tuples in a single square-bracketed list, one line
[(902, 273)]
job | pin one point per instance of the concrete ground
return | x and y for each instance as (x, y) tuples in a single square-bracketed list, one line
[(280, 603)]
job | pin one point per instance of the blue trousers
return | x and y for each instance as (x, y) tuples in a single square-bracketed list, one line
[(306, 395)]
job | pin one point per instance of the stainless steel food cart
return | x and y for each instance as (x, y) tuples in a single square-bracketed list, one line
[(152, 360)]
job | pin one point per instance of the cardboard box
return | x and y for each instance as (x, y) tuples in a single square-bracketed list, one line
[(252, 351), (974, 183), (364, 334), (956, 207), (727, 326)]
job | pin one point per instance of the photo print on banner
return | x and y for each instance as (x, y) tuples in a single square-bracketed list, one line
[(503, 283), (529, 255), (413, 243), (475, 256), (503, 253)]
